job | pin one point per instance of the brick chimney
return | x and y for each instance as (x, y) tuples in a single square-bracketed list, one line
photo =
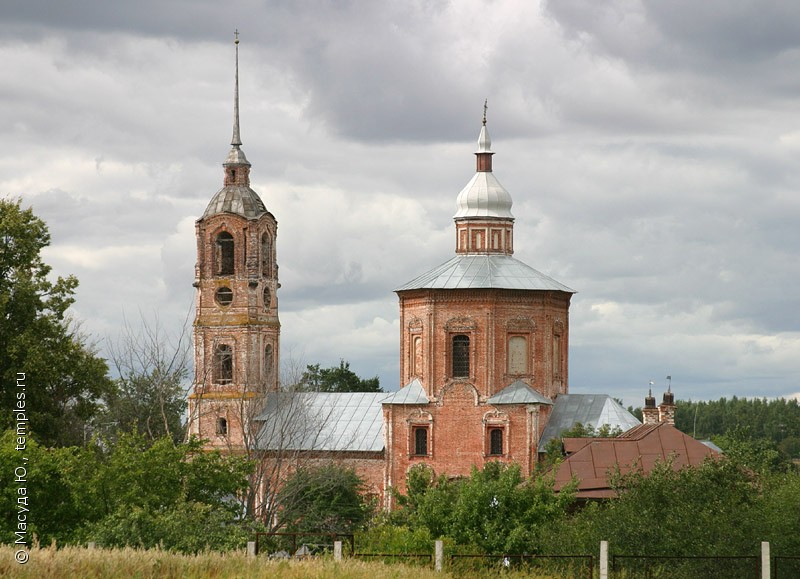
[(650, 412), (666, 410)]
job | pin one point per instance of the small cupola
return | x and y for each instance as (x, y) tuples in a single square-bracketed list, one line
[(484, 222)]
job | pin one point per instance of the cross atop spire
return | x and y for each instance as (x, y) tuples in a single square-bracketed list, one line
[(485, 107), (237, 139)]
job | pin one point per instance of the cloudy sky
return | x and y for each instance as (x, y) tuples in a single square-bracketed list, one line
[(650, 148)]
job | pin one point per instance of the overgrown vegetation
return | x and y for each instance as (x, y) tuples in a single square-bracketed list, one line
[(52, 563), (327, 499), (336, 379), (133, 493), (39, 340), (777, 421)]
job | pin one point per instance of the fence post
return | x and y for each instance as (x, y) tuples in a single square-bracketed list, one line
[(251, 548), (765, 560), (337, 550), (439, 555), (603, 559)]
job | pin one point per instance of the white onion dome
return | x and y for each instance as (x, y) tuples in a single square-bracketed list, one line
[(484, 196)]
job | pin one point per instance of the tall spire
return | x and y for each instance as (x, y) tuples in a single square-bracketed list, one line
[(237, 167), (237, 139)]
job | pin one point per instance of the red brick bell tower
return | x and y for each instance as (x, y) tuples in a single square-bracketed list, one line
[(236, 326), (484, 346)]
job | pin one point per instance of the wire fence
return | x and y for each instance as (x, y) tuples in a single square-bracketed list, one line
[(286, 544), (683, 566), (565, 566), (786, 567), (294, 544)]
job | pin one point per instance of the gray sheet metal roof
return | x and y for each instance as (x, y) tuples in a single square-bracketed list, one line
[(322, 421), (238, 199), (588, 409), (412, 393), (518, 393), (485, 271)]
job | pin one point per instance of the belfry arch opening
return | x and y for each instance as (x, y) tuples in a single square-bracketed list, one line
[(223, 254)]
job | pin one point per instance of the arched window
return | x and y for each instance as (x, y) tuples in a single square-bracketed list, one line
[(222, 427), (266, 255), (223, 364), (223, 254), (496, 441), (421, 440), (268, 361), (517, 355), (460, 353)]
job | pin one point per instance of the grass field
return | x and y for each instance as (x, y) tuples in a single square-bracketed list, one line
[(68, 562)]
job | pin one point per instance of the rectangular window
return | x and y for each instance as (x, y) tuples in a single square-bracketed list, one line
[(496, 441), (460, 354), (223, 364), (421, 440)]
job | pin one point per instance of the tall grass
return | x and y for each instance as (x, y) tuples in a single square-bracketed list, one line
[(69, 562)]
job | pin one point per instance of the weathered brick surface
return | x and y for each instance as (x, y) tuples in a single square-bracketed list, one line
[(248, 325)]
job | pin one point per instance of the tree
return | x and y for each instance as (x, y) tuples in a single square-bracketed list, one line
[(133, 491), (143, 493), (554, 449), (495, 510), (326, 498), (711, 509), (759, 454), (38, 342), (274, 431), (150, 396), (336, 379), (771, 419)]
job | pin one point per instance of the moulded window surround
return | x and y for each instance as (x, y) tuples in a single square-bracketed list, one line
[(420, 440), (223, 254), (223, 364), (460, 356), (222, 426), (496, 442)]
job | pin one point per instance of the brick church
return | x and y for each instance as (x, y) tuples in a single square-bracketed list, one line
[(484, 348)]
